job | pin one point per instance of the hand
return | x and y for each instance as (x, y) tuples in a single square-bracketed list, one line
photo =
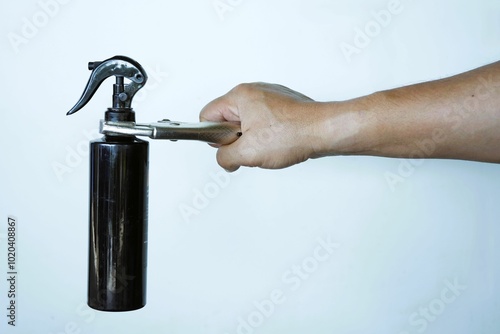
[(277, 123)]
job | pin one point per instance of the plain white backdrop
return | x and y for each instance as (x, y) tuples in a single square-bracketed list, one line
[(328, 246)]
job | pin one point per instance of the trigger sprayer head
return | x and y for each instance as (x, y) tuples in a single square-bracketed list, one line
[(121, 67)]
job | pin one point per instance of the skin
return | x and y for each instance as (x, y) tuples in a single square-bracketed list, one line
[(452, 118)]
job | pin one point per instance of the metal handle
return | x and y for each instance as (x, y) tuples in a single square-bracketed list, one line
[(211, 132)]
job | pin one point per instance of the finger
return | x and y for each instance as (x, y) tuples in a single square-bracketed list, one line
[(225, 159), (231, 157), (220, 110)]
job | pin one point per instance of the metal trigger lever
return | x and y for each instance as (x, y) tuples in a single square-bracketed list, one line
[(121, 67)]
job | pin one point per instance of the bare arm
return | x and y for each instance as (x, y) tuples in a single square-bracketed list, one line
[(453, 118)]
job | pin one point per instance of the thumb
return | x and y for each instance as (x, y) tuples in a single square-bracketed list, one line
[(237, 154)]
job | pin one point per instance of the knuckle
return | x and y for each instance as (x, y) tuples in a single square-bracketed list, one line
[(243, 89)]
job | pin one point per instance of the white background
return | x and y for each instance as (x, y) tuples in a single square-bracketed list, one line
[(399, 247)]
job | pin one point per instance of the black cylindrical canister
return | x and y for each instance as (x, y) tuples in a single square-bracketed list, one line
[(118, 223)]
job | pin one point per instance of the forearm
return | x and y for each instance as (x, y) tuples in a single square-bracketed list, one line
[(455, 118)]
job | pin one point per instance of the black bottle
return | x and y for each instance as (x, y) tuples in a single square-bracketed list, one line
[(118, 217), (118, 223)]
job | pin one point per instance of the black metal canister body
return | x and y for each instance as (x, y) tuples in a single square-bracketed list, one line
[(118, 223)]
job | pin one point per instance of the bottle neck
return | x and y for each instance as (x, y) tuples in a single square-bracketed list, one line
[(119, 115)]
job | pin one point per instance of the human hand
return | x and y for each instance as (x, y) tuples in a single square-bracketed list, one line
[(277, 124)]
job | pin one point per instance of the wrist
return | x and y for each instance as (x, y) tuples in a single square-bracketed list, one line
[(345, 128)]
